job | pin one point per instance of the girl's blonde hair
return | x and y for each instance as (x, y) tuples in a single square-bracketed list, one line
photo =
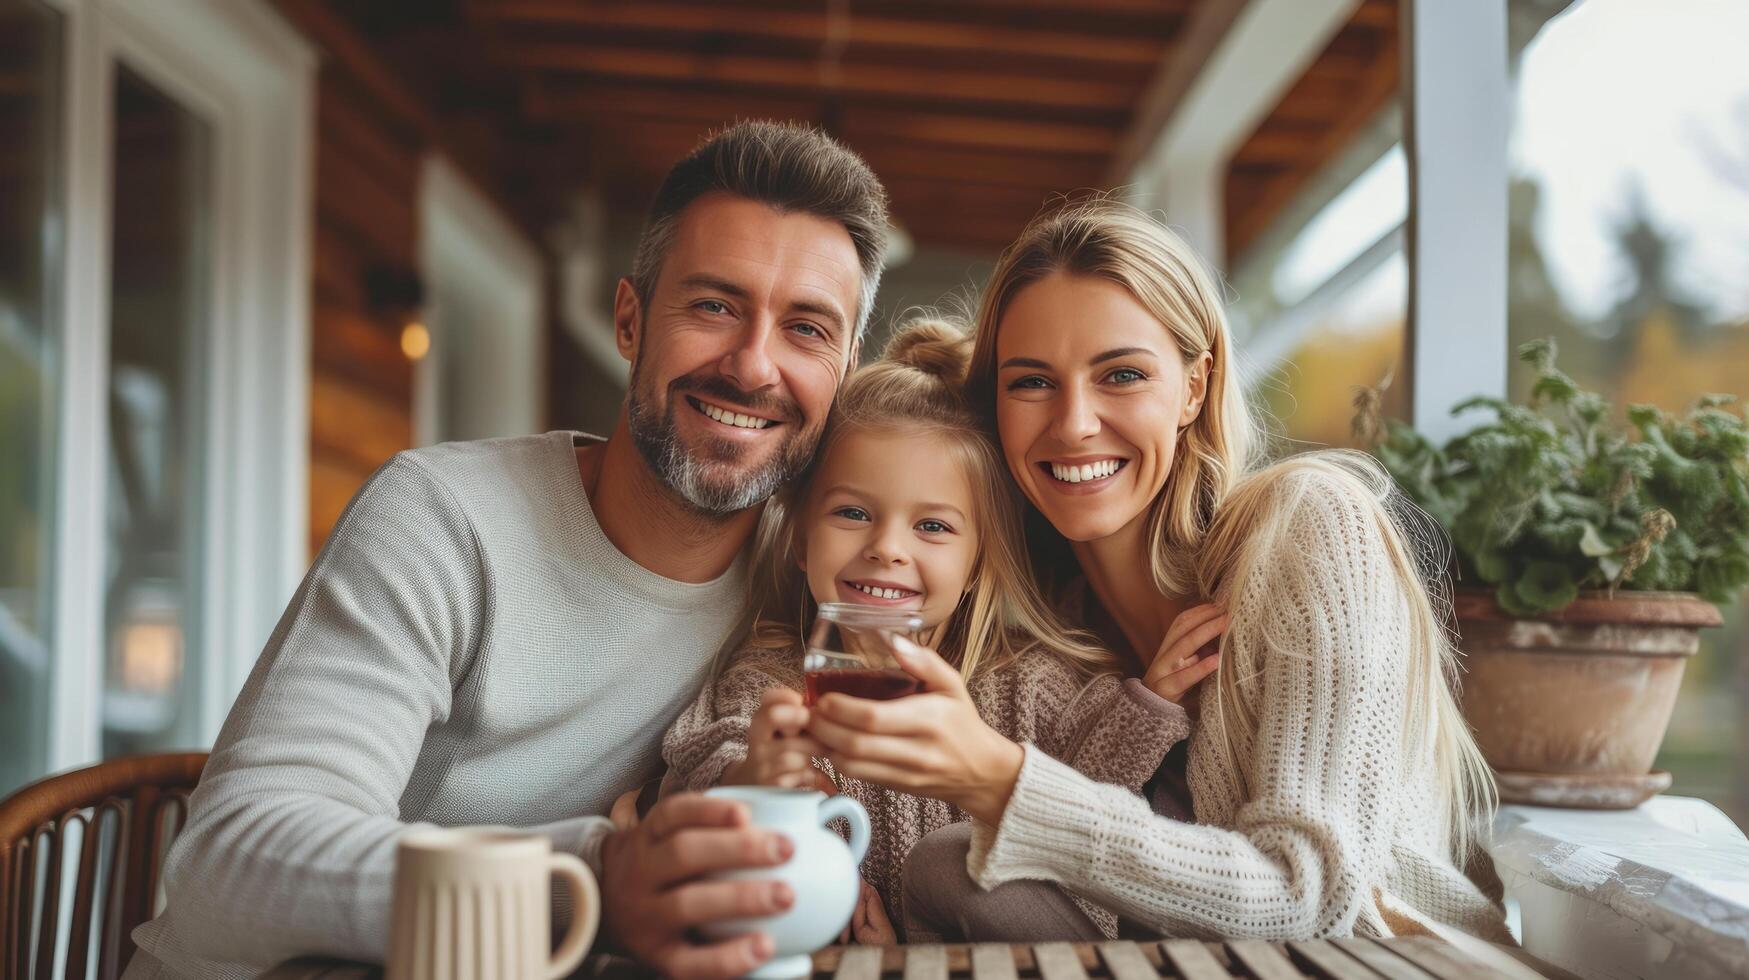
[(1223, 512), (918, 387)]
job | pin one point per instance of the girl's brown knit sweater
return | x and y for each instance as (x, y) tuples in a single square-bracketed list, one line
[(1112, 730)]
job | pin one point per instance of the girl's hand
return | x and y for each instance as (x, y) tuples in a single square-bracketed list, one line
[(778, 751), (929, 744), (869, 923), (1190, 652)]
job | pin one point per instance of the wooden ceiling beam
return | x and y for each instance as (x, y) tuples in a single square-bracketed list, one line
[(646, 148), (1112, 18), (612, 107), (1249, 214), (816, 27), (1173, 81), (548, 105), (902, 160), (789, 75), (979, 132)]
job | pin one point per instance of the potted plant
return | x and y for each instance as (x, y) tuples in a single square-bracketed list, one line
[(1588, 557)]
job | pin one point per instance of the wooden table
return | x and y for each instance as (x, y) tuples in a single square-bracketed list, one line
[(1409, 958), (1406, 958)]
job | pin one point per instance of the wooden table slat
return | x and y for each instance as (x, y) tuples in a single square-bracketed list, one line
[(993, 961), (1125, 961), (1439, 958), (1059, 961), (1263, 960), (926, 962), (860, 963), (1377, 955), (1193, 960), (1457, 957), (1329, 961)]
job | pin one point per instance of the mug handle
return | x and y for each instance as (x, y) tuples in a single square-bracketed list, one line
[(843, 806), (585, 914)]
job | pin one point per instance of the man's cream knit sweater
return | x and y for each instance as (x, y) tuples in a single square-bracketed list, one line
[(1325, 825)]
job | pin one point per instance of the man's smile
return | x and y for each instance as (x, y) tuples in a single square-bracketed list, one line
[(728, 416)]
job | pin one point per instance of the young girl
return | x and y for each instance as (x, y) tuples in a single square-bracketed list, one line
[(906, 506)]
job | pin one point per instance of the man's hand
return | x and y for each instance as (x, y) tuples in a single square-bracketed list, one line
[(653, 895), (778, 752)]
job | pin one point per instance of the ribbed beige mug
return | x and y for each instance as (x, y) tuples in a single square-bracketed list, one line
[(474, 903)]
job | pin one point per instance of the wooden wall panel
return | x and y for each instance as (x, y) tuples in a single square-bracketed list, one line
[(367, 217)]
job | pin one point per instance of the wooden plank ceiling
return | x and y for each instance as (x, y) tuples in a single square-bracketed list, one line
[(973, 112), (1342, 91)]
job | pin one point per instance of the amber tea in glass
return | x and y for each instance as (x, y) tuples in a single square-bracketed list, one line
[(850, 650)]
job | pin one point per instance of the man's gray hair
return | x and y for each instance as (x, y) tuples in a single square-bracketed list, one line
[(789, 167)]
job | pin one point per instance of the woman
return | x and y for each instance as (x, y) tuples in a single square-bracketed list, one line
[(1330, 786)]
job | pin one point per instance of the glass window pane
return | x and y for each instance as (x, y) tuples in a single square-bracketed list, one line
[(1630, 246), (158, 318), (30, 236)]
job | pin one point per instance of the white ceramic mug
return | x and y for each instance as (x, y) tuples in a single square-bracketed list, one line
[(474, 903), (822, 871)]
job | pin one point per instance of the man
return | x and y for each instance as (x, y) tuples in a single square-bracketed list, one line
[(500, 632)]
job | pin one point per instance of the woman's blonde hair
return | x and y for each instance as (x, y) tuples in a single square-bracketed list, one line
[(1223, 511), (918, 387)]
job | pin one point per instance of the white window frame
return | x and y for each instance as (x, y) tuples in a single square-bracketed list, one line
[(251, 78)]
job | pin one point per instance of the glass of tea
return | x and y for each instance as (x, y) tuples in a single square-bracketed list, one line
[(850, 650)]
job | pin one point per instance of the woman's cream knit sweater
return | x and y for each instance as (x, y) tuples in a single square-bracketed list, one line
[(1323, 825)]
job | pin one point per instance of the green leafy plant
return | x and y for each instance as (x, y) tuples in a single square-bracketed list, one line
[(1553, 497)]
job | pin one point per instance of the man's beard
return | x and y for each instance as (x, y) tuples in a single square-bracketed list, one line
[(708, 478)]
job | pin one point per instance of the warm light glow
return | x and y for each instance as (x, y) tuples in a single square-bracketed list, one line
[(415, 341), (151, 656)]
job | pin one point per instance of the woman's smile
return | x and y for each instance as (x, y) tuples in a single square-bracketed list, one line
[(1083, 476)]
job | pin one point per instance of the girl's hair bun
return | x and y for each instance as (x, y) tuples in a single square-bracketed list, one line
[(935, 345)]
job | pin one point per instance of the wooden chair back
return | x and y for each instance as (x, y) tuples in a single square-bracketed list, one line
[(126, 811)]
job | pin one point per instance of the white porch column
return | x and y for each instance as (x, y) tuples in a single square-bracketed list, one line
[(1457, 102)]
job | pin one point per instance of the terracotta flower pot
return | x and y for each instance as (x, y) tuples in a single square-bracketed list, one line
[(1570, 708)]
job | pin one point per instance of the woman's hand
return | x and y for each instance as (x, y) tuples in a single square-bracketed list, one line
[(778, 751), (1190, 652), (929, 744)]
